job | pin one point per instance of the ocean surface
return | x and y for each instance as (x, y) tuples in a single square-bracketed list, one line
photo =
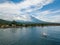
[(45, 35)]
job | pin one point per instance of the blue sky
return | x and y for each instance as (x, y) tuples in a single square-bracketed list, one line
[(55, 5), (46, 10)]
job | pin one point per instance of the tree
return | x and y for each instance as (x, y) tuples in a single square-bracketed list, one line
[(14, 22)]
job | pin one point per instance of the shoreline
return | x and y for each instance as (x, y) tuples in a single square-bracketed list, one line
[(6, 26)]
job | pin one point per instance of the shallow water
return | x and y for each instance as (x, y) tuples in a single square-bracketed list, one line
[(30, 36)]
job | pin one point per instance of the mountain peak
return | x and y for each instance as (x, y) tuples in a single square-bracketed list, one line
[(30, 19)]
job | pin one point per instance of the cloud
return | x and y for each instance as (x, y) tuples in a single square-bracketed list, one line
[(19, 11), (48, 15), (55, 18)]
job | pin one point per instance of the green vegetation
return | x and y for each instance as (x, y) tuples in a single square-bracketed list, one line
[(7, 24)]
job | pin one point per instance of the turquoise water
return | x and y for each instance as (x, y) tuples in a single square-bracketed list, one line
[(47, 35)]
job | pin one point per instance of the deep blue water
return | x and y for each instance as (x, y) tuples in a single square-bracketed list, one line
[(30, 36)]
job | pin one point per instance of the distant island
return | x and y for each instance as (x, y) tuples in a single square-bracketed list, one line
[(8, 24)]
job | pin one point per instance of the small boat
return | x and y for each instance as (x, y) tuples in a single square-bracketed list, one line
[(44, 34)]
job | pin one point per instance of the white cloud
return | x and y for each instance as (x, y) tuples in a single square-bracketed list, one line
[(23, 17), (49, 16), (11, 11), (55, 18)]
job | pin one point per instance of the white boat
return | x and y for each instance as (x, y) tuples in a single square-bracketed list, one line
[(44, 34)]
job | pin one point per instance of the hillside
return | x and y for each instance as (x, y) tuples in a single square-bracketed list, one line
[(4, 21)]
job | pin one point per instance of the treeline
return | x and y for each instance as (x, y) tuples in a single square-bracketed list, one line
[(5, 24)]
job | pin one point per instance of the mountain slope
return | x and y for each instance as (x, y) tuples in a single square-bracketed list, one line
[(4, 21), (33, 20)]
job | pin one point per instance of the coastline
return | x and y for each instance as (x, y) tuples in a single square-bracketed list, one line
[(26, 25)]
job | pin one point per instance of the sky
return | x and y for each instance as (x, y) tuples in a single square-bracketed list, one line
[(46, 10)]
